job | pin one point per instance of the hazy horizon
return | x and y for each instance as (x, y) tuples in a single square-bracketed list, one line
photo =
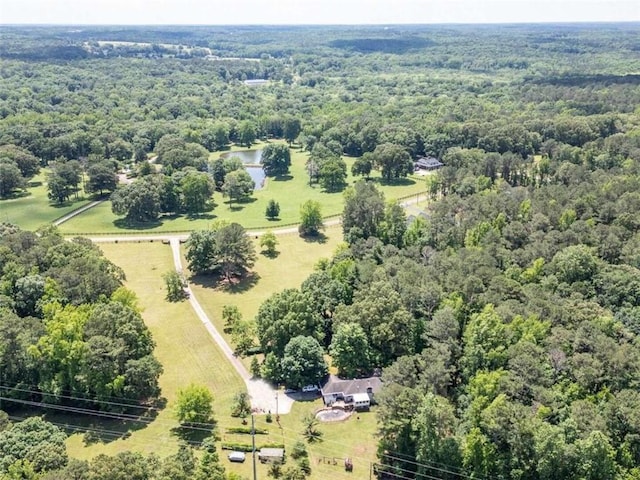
[(315, 12)]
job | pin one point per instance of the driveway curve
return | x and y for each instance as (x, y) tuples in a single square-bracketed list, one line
[(264, 398)]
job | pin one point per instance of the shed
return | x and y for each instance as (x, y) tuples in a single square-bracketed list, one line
[(271, 455)]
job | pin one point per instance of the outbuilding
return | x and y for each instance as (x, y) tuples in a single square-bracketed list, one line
[(271, 455), (428, 163)]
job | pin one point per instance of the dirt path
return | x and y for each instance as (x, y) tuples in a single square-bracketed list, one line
[(70, 215), (264, 398)]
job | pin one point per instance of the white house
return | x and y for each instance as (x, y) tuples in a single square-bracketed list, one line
[(336, 389)]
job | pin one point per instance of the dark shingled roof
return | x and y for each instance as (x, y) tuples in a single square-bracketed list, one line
[(428, 162), (349, 387)]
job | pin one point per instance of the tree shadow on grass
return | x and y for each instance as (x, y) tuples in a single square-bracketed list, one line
[(319, 238), (106, 428), (218, 282), (241, 285), (395, 182), (15, 195), (193, 433), (200, 216), (282, 178), (125, 224), (271, 255)]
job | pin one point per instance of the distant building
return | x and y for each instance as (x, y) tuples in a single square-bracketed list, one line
[(348, 391), (427, 163), (256, 82)]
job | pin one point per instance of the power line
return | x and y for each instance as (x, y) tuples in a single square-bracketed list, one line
[(113, 416), (39, 392), (115, 435), (463, 475), (84, 399), (425, 464), (416, 475), (202, 426)]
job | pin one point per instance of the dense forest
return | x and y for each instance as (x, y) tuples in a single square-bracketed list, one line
[(505, 316)]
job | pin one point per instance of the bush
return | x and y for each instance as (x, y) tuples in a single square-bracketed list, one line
[(247, 430), (247, 447), (238, 447)]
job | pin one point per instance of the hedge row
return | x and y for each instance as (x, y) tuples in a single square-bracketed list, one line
[(246, 447), (247, 430)]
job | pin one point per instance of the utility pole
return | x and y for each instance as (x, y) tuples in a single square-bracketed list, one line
[(253, 444)]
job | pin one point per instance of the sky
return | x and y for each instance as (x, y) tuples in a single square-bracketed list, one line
[(234, 12)]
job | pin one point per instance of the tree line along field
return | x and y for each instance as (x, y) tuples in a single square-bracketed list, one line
[(290, 193), (504, 313)]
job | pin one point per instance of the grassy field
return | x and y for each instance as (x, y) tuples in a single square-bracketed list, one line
[(34, 209), (189, 355), (289, 192), (183, 346), (289, 269)]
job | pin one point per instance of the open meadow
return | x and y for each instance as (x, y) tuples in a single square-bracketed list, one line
[(34, 209), (290, 192), (188, 354)]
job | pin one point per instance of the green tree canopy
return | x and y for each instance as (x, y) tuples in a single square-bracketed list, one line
[(286, 315), (102, 177), (393, 161), (303, 362), (238, 185), (276, 159), (350, 350), (194, 405), (363, 211), (138, 201), (35, 440), (310, 218)]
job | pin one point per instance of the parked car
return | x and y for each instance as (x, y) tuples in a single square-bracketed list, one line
[(310, 388), (237, 457)]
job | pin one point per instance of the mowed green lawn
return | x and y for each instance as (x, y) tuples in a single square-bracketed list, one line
[(189, 355), (35, 209), (289, 192), (354, 438)]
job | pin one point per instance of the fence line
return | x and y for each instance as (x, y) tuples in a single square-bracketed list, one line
[(251, 228)]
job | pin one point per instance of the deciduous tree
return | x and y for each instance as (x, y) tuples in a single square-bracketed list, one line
[(194, 405), (276, 159), (310, 219)]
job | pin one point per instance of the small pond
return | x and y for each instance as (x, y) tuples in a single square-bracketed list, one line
[(248, 157), (258, 176), (332, 415)]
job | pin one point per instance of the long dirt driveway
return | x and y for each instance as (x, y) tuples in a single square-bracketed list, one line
[(264, 398)]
